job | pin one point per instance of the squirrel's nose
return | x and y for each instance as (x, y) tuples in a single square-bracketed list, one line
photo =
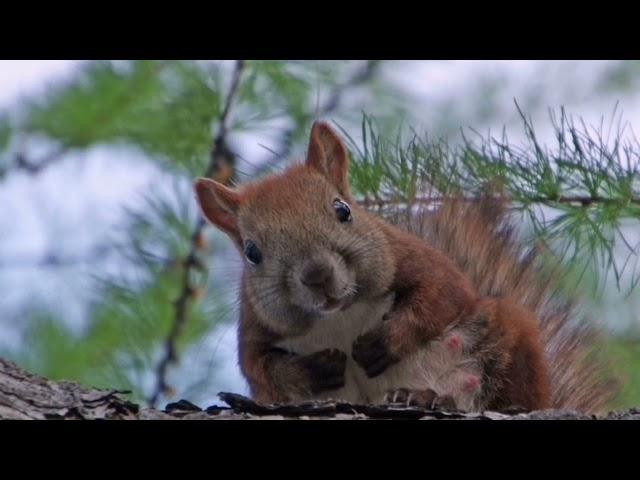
[(316, 274)]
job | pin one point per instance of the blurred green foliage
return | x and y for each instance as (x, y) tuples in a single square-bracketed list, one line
[(625, 355)]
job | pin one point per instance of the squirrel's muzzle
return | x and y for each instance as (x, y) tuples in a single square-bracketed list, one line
[(324, 282), (317, 275)]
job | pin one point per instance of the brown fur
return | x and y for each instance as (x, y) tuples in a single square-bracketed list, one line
[(515, 372), (442, 282), (500, 266)]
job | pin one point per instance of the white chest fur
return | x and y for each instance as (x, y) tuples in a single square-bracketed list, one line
[(339, 330), (434, 367)]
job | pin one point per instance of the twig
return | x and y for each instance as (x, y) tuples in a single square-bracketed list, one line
[(35, 167), (577, 200), (583, 200), (221, 166)]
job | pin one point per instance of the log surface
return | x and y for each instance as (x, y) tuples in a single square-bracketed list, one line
[(24, 396)]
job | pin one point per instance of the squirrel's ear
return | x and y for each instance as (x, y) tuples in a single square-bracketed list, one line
[(219, 204), (329, 156)]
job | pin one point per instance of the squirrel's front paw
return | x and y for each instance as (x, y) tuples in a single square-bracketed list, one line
[(325, 368), (371, 352)]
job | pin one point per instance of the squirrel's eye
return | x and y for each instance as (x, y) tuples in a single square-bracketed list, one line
[(343, 211), (252, 252)]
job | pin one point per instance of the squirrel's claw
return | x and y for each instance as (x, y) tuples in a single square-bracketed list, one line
[(428, 399)]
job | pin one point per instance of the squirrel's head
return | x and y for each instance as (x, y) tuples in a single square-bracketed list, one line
[(309, 249)]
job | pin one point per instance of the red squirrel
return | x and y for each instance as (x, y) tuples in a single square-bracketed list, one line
[(336, 302)]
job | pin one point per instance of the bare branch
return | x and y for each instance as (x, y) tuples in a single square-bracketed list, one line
[(221, 167), (31, 166), (584, 201)]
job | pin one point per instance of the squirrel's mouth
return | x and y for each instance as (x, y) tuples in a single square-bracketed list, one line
[(332, 304)]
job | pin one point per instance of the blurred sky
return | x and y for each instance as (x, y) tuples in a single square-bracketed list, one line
[(71, 206), (27, 77)]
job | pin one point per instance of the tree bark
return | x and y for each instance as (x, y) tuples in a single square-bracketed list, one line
[(24, 396)]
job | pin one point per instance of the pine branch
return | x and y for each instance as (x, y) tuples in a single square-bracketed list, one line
[(584, 201), (331, 104), (87, 133), (221, 167), (590, 179)]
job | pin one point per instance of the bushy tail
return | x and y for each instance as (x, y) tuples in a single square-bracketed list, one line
[(479, 237)]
